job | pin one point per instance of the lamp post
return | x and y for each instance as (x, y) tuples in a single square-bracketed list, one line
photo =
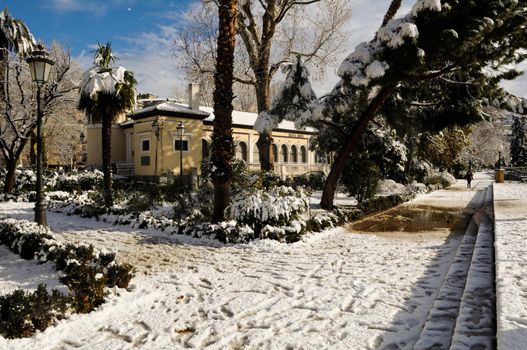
[(155, 129), (82, 138), (181, 132), (40, 64)]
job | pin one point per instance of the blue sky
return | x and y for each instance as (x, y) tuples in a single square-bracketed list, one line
[(81, 23), (142, 34)]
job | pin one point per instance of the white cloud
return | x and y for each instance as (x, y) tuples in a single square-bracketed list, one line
[(95, 7)]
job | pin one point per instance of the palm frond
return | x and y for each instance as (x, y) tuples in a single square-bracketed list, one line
[(15, 35)]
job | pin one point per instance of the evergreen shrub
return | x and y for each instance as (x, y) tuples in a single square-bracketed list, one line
[(22, 313)]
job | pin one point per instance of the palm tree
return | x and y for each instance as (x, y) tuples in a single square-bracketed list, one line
[(222, 144), (14, 37), (106, 92)]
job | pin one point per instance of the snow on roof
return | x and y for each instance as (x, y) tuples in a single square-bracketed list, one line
[(169, 106), (248, 119), (238, 118)]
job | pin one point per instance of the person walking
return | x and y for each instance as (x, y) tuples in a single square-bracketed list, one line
[(469, 178)]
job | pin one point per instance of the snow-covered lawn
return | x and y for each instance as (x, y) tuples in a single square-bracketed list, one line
[(335, 289), (510, 208)]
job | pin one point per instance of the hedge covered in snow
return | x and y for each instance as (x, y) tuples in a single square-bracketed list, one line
[(85, 270), (25, 183)]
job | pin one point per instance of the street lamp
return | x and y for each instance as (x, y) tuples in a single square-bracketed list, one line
[(82, 138), (40, 64), (181, 132), (155, 129)]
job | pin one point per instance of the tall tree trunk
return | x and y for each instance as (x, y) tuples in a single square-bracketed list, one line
[(264, 139), (410, 157), (222, 143), (4, 64), (9, 183), (106, 160), (349, 147), (264, 150)]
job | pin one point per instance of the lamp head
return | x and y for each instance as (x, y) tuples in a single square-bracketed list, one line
[(40, 63)]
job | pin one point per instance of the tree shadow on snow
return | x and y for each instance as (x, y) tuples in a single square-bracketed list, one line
[(405, 327)]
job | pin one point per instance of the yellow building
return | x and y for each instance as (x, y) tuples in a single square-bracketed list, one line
[(138, 150)]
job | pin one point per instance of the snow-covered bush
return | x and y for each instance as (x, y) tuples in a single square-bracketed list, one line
[(389, 187), (417, 188), (328, 219), (81, 181), (420, 169), (24, 237), (444, 179), (87, 271), (381, 203), (23, 313), (60, 196), (278, 206)]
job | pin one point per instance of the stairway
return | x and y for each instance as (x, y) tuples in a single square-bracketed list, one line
[(463, 314)]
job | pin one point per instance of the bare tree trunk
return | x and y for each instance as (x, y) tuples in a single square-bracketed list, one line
[(106, 160), (3, 72), (222, 143), (264, 149), (347, 149), (410, 157), (392, 10), (9, 183), (264, 139)]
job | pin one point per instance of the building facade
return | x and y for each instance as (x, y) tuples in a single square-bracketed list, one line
[(138, 150)]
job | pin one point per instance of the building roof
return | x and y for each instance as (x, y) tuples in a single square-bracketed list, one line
[(239, 119), (247, 119), (169, 108)]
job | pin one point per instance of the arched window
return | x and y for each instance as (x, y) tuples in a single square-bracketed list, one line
[(256, 154), (205, 151), (293, 158), (303, 154), (241, 151), (275, 152), (283, 154)]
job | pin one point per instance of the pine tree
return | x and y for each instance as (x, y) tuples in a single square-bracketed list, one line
[(293, 99), (433, 63), (519, 142)]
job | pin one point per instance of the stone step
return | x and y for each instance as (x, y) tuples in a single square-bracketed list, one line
[(476, 322), (439, 327)]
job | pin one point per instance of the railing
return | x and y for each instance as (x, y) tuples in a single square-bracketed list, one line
[(517, 173), (293, 169), (123, 168)]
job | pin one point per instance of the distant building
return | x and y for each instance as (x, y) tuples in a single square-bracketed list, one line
[(137, 151)]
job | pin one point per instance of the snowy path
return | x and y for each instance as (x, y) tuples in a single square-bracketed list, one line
[(335, 290), (510, 210)]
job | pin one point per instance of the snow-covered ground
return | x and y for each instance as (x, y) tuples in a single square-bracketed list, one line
[(16, 272), (510, 211), (336, 289)]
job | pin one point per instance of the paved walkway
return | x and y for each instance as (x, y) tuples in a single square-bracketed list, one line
[(510, 211)]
